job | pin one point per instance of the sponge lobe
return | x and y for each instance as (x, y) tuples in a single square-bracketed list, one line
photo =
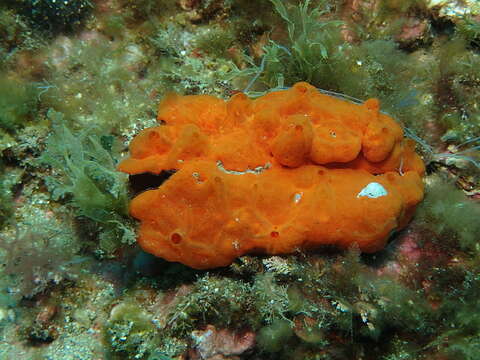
[(292, 170)]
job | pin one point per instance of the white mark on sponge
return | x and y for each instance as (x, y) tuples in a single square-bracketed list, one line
[(297, 197), (373, 190)]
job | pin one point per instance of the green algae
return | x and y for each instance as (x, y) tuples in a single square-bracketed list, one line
[(450, 216), (18, 102), (272, 338), (85, 172), (307, 55), (129, 330), (6, 196), (469, 29)]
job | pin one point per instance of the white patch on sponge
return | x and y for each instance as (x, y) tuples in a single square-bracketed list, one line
[(373, 190)]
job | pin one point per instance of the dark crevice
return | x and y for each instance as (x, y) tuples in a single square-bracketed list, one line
[(141, 182)]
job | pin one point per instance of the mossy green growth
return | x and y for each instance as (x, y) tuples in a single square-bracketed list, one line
[(179, 70), (262, 302), (215, 41), (97, 85), (364, 304), (15, 34), (130, 331), (375, 68), (18, 101), (6, 208), (211, 293), (142, 10), (271, 298), (450, 215), (384, 20), (458, 95), (274, 337), (469, 29), (84, 171), (459, 330), (306, 56), (402, 6)]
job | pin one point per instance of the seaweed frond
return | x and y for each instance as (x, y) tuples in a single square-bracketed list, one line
[(85, 172)]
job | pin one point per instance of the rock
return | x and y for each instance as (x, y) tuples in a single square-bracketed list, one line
[(213, 344)]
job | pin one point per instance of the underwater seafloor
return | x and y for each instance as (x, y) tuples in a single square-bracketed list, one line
[(79, 78)]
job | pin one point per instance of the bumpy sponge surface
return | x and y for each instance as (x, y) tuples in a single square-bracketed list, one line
[(292, 170)]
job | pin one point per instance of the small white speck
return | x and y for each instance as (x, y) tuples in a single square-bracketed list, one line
[(235, 244), (373, 190), (183, 52), (196, 176), (297, 197)]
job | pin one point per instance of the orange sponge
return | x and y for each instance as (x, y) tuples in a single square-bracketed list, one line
[(291, 170)]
